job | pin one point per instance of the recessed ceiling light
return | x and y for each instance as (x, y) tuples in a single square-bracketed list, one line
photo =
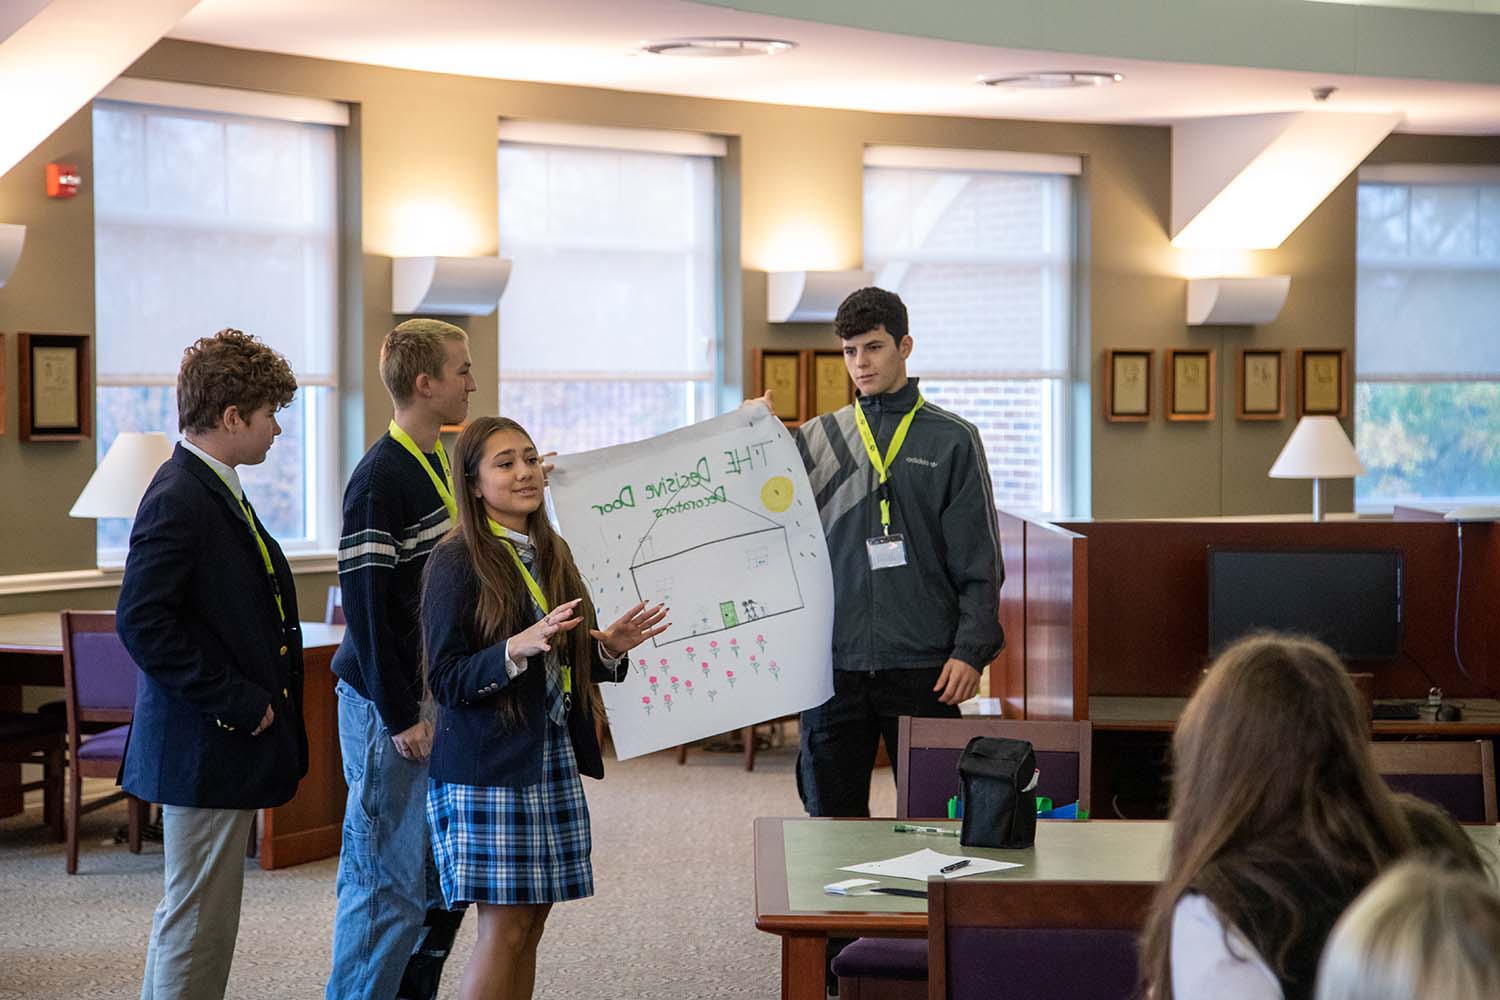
[(718, 48), (1052, 80)]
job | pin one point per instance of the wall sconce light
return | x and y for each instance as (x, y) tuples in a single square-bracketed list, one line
[(11, 238), (448, 286), (1236, 301), (810, 296)]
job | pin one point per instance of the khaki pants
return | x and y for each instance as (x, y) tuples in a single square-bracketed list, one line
[(195, 925)]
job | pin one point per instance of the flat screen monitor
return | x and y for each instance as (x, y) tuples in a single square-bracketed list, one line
[(1350, 599)]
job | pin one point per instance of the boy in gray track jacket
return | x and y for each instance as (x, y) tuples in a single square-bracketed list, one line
[(915, 556)]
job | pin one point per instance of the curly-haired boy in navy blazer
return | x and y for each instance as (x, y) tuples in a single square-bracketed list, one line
[(208, 611)]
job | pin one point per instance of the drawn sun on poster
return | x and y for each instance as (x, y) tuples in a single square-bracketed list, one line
[(776, 494)]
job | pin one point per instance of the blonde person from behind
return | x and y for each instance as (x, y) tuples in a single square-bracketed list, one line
[(1419, 932), (1279, 820)]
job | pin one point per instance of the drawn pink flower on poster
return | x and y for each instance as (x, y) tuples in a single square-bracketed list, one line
[(689, 686), (729, 676), (674, 683), (713, 647), (667, 700), (652, 681), (754, 665), (646, 703), (704, 665), (734, 647), (662, 663), (641, 666), (775, 670), (760, 641), (689, 652)]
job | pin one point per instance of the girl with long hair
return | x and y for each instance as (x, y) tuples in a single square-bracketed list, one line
[(513, 654), (1279, 820)]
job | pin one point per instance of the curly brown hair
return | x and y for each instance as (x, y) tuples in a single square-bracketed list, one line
[(231, 368)]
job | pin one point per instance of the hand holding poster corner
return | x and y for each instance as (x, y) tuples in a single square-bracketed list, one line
[(718, 522)]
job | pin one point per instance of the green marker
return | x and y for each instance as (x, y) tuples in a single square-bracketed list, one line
[(910, 828)]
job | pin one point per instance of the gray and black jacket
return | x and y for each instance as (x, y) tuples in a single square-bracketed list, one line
[(945, 601)]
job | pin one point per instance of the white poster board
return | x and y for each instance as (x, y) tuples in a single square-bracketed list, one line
[(718, 522)]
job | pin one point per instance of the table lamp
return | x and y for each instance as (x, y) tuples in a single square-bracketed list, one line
[(1318, 449), (117, 485)]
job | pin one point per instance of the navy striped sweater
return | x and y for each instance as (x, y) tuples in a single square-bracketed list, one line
[(393, 516)]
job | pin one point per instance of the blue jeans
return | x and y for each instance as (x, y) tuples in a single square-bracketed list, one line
[(382, 890)]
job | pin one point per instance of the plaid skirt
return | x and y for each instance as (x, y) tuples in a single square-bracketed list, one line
[(514, 845)]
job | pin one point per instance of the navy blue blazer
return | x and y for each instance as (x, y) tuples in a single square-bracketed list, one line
[(473, 744), (198, 615)]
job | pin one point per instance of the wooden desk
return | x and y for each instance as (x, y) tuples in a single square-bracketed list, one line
[(305, 829), (795, 858), (1159, 715)]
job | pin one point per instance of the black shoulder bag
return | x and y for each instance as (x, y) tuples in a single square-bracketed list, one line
[(998, 788)]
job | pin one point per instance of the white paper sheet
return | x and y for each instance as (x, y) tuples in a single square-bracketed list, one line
[(919, 866), (718, 521)]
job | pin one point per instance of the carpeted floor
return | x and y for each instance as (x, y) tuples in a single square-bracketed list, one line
[(673, 918)]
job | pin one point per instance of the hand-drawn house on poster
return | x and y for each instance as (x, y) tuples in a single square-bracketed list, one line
[(744, 573)]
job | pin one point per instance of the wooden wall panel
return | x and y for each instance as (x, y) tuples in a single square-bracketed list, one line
[(1056, 606), (1148, 599), (1007, 674)]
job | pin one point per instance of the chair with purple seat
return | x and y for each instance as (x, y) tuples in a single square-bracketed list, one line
[(926, 777), (99, 681), (1037, 940), (1457, 775)]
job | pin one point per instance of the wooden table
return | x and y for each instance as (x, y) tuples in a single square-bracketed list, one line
[(795, 858), (305, 829), (1126, 714)]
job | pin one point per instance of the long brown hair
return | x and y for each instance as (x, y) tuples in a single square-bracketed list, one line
[(1275, 798), (505, 606)]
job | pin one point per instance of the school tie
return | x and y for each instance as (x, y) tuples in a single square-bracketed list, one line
[(556, 705)]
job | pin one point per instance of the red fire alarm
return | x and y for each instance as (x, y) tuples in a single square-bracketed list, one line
[(62, 180)]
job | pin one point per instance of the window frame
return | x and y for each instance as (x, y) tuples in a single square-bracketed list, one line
[(322, 491), (1059, 445)]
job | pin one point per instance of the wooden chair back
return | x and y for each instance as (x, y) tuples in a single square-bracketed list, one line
[(928, 751), (1458, 775), (1042, 943)]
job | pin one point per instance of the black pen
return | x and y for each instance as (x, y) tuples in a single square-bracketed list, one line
[(953, 867)]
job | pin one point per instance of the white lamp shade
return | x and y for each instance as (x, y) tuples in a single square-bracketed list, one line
[(11, 239), (1317, 449), (117, 485)]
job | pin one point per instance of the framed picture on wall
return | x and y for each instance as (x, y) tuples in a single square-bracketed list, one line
[(1323, 383), (781, 372), (829, 386), (1190, 385), (54, 387), (1261, 383), (1127, 385)]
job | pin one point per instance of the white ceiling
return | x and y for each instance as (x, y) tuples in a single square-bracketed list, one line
[(593, 43)]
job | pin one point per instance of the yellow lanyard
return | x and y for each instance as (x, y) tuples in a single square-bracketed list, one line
[(884, 467), (265, 553), (443, 484), (536, 592)]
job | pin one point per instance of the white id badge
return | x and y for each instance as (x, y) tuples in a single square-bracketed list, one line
[(886, 551)]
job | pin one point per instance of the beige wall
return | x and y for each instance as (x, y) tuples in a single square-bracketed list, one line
[(420, 170)]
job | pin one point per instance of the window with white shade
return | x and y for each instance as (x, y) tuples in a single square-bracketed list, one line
[(980, 248), (1427, 357), (609, 327), (205, 220)]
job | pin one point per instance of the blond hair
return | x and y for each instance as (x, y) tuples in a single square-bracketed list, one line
[(414, 348), (1419, 932)]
